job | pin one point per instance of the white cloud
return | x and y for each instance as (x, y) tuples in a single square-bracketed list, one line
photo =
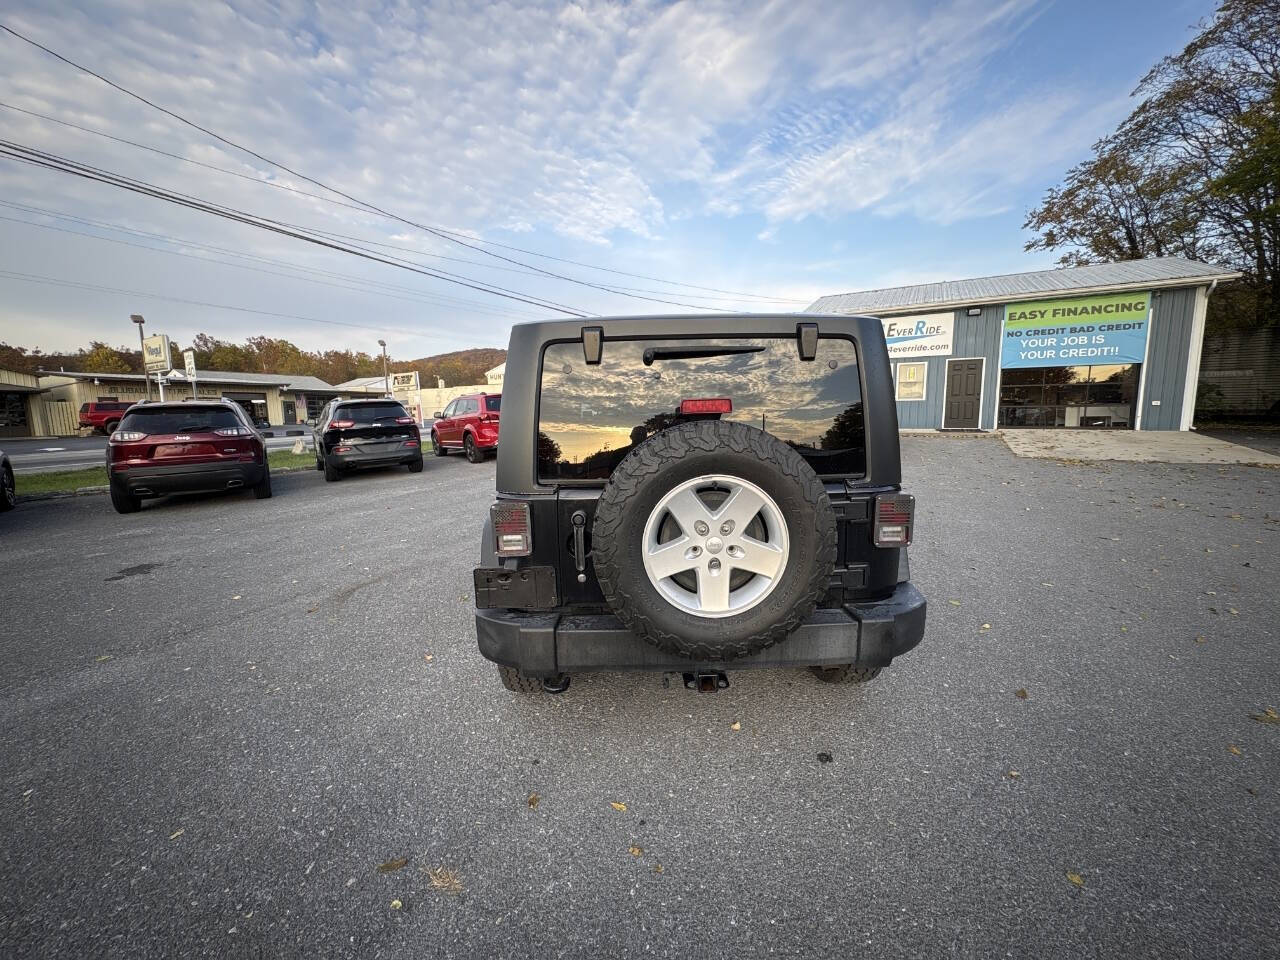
[(594, 122)]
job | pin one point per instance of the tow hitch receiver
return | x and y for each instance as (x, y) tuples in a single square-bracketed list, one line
[(706, 681)]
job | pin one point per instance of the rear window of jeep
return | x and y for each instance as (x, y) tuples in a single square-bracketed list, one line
[(591, 417)]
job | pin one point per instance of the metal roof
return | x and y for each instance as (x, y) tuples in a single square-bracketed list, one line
[(1067, 281), (363, 383), (286, 380)]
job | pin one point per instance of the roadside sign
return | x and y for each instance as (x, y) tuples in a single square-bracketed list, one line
[(189, 358), (155, 353), (404, 381)]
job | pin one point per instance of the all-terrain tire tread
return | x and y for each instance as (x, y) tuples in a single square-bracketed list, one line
[(517, 682)]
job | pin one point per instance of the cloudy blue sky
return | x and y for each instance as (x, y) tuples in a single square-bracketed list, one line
[(783, 149)]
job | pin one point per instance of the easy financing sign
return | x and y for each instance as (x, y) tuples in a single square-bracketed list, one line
[(924, 335), (1080, 332)]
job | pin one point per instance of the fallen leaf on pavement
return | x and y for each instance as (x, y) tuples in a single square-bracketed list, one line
[(657, 868), (735, 725), (986, 626), (396, 904), (445, 879), (621, 807), (391, 866), (177, 833), (1020, 693), (1075, 878), (1200, 639), (533, 801), (1013, 774), (824, 757), (1234, 749), (428, 657), (104, 658), (1267, 716), (954, 603), (635, 851), (236, 597)]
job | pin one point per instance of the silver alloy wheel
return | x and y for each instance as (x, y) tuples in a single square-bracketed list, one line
[(10, 489), (713, 543)]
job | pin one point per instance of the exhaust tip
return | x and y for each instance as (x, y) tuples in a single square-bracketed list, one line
[(231, 484)]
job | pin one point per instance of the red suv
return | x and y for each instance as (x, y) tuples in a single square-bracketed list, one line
[(469, 424), (105, 415), (184, 447)]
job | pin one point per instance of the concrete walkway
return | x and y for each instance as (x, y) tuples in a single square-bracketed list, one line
[(1156, 446)]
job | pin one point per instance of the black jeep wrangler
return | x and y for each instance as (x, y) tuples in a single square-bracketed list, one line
[(692, 494)]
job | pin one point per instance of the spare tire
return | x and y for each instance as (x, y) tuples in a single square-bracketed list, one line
[(713, 540)]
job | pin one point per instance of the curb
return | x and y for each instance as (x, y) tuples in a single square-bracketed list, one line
[(97, 491)]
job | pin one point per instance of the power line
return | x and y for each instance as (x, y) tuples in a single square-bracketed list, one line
[(733, 295), (79, 284), (451, 236), (40, 158), (415, 295)]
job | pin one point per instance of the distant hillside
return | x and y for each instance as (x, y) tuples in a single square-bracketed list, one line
[(456, 369)]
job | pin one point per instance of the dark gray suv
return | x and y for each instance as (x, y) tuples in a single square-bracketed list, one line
[(693, 494)]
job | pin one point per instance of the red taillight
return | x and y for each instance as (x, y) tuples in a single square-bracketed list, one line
[(411, 443), (512, 535), (706, 405), (126, 436), (234, 432), (341, 449), (404, 419), (894, 520), (343, 424)]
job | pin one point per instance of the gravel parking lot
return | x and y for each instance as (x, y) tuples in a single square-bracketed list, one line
[(221, 715)]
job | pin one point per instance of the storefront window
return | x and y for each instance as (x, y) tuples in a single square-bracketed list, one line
[(1101, 396), (911, 378)]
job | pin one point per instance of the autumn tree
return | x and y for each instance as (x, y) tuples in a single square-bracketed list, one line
[(1193, 171), (101, 358)]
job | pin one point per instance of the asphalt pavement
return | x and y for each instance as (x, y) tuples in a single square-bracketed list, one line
[(75, 453), (220, 717)]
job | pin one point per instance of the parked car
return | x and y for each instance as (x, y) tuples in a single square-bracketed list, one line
[(8, 489), (469, 424), (693, 494), (104, 416), (184, 446), (366, 433)]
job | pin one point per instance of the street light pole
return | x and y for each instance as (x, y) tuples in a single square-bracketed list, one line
[(386, 379), (137, 318)]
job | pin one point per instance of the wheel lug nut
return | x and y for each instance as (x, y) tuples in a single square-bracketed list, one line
[(726, 528), (701, 528), (714, 565)]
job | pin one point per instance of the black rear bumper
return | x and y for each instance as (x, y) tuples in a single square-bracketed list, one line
[(156, 481), (384, 457), (547, 644)]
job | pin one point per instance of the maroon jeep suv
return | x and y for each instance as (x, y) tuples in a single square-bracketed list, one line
[(184, 447)]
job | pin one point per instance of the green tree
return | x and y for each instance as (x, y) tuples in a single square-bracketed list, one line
[(1193, 171), (101, 358)]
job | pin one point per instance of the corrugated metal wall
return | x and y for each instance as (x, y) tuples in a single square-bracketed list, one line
[(1168, 344), (974, 337), (1240, 373)]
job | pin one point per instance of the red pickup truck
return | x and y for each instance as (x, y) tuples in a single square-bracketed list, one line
[(104, 416)]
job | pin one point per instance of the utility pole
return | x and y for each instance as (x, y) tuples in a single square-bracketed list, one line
[(137, 318), (386, 378)]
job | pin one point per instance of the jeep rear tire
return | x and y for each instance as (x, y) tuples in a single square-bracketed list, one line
[(517, 682), (713, 540)]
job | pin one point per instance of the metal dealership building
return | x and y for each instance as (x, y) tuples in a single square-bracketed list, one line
[(1112, 345)]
